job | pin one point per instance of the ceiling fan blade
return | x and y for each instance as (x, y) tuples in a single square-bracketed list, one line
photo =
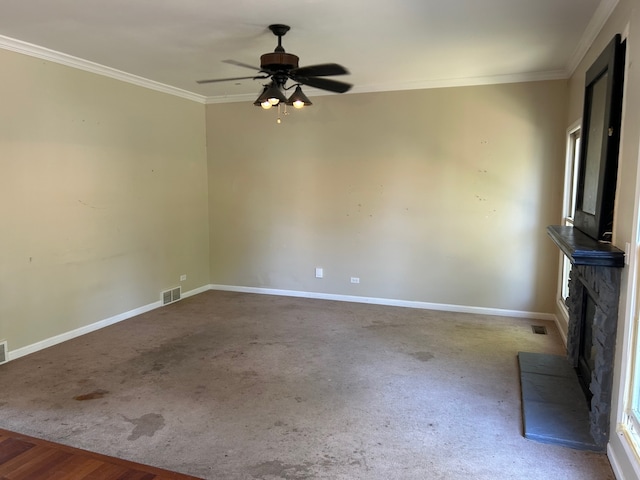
[(320, 70), (240, 64), (215, 80), (323, 83)]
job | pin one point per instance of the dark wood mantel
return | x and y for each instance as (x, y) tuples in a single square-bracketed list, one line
[(581, 249)]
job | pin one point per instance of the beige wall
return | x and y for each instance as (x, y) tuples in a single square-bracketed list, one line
[(438, 196), (103, 198)]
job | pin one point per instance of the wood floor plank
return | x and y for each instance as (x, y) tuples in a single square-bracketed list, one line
[(42, 466), (107, 471), (28, 458), (76, 467), (35, 455), (11, 447), (136, 475)]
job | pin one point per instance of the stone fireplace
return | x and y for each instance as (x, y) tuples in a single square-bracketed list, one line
[(594, 289), (591, 338)]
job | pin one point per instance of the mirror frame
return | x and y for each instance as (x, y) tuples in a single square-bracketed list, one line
[(602, 165)]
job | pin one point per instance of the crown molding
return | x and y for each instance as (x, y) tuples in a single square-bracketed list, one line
[(466, 81), (43, 53), (600, 17), (424, 85), (245, 97)]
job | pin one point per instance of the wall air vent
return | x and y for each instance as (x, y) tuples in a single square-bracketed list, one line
[(4, 352), (170, 296), (539, 329)]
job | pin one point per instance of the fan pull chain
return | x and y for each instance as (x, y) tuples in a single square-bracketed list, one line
[(284, 113)]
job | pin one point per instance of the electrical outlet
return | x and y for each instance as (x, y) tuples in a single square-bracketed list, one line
[(4, 352), (183, 278), (355, 279), (319, 272)]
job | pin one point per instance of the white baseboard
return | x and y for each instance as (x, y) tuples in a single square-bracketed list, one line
[(562, 320), (196, 291), (389, 302), (49, 342), (624, 462), (63, 337)]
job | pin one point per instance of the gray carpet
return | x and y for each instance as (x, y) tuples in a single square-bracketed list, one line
[(239, 386)]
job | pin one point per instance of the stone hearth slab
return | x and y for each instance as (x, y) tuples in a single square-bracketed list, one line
[(554, 407)]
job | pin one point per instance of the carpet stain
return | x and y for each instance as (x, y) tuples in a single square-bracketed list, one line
[(381, 326), (145, 426), (422, 356), (281, 470), (92, 395)]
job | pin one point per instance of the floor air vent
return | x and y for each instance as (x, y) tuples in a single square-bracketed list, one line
[(539, 329), (4, 352), (170, 296)]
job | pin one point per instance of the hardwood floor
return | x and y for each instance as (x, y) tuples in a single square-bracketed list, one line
[(27, 458)]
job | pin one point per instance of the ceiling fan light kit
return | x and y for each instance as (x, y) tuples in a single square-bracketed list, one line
[(272, 95), (298, 99), (281, 67)]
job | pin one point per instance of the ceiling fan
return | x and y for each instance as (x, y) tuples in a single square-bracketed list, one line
[(281, 67)]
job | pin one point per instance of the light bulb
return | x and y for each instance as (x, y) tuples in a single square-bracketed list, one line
[(273, 101), (266, 105), (298, 104)]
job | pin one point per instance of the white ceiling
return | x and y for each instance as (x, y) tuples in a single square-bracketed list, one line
[(386, 45)]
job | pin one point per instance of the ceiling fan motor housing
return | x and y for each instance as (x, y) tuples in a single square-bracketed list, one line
[(277, 61)]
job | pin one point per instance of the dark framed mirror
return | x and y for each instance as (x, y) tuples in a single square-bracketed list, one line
[(595, 196)]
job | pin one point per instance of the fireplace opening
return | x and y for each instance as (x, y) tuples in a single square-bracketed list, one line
[(586, 349)]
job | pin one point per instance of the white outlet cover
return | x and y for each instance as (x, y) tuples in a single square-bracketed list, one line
[(183, 278)]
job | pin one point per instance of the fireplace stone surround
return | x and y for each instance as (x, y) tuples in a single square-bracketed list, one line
[(595, 273)]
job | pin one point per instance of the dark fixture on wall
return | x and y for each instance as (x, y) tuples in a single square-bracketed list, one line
[(594, 281), (601, 121)]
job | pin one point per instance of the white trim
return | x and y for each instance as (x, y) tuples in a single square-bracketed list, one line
[(600, 17), (388, 302), (622, 458), (36, 51), (44, 53), (429, 84), (628, 357), (195, 291), (569, 164), (622, 450), (63, 337), (466, 81), (562, 308)]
